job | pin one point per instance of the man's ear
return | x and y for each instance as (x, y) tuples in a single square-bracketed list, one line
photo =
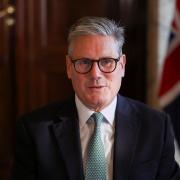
[(123, 64), (68, 66)]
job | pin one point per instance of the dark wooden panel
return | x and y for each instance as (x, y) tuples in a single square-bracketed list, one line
[(38, 32), (133, 15), (7, 96)]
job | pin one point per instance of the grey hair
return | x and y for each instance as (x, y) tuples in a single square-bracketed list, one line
[(96, 26)]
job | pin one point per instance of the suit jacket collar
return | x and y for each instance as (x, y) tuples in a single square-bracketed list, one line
[(66, 131), (127, 125)]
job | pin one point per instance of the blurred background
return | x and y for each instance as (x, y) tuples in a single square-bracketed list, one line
[(33, 47)]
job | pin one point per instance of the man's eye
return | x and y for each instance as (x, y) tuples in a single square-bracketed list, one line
[(84, 62), (105, 62)]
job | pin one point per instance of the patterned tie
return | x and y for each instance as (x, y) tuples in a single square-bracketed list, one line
[(96, 162)]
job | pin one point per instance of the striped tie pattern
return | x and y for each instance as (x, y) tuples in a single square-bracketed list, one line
[(96, 162)]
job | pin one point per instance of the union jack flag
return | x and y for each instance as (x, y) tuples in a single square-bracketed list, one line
[(170, 82), (169, 92)]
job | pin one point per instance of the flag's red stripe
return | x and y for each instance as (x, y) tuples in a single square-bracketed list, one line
[(171, 71)]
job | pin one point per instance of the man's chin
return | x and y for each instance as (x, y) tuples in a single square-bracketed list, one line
[(96, 103)]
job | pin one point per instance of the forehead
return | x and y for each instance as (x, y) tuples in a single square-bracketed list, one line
[(94, 45)]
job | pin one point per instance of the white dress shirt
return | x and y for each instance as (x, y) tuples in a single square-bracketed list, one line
[(107, 131)]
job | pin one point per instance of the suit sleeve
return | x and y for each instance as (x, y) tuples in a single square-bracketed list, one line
[(24, 159), (168, 168)]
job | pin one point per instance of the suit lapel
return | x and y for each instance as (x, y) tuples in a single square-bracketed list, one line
[(66, 131), (126, 137)]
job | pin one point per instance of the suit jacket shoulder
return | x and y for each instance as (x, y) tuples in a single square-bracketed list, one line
[(48, 144), (144, 143)]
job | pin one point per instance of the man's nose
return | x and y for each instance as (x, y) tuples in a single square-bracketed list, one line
[(95, 71)]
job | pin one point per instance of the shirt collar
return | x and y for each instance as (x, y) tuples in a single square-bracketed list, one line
[(84, 113)]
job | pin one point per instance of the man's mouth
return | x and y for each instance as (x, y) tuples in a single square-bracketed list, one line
[(96, 87)]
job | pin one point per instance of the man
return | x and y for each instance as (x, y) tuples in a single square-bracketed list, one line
[(132, 141)]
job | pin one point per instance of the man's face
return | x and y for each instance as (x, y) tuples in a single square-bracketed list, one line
[(95, 89)]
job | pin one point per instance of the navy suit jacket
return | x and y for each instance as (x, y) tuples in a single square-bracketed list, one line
[(48, 144)]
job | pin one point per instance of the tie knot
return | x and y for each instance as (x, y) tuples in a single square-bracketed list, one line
[(98, 117)]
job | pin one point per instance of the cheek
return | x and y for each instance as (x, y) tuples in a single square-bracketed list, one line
[(78, 82), (115, 83)]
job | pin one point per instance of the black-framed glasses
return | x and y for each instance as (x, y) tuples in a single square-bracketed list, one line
[(84, 65)]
